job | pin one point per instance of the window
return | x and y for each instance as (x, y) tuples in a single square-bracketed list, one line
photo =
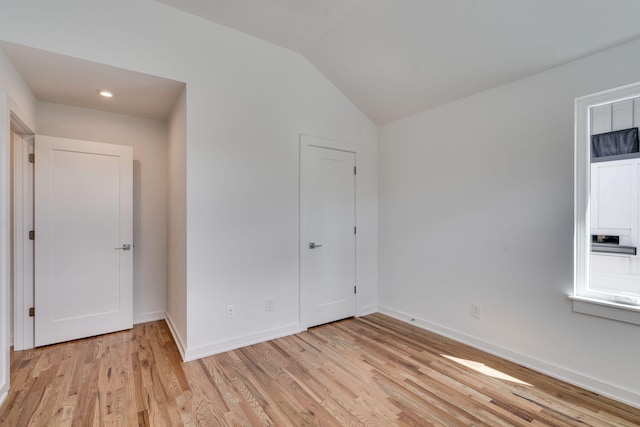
[(607, 205)]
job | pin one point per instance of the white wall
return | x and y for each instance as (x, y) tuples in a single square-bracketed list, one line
[(476, 206), (243, 191), (177, 216), (247, 103), (150, 177), (14, 96)]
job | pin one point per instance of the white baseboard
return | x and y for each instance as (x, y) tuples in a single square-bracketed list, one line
[(148, 317), (176, 336), (368, 309), (235, 343), (623, 395)]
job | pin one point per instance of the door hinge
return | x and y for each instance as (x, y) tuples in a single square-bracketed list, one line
[(32, 158), (354, 290), (32, 235), (32, 311), (355, 230), (355, 169)]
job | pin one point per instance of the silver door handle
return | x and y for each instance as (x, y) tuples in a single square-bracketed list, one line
[(125, 247), (313, 245)]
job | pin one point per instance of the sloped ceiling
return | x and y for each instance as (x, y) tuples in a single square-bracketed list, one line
[(394, 58)]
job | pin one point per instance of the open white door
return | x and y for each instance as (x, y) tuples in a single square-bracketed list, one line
[(327, 233), (83, 220)]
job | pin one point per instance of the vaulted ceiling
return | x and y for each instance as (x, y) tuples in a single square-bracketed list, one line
[(394, 58)]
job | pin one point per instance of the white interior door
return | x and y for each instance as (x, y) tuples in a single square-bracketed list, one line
[(327, 234), (83, 217)]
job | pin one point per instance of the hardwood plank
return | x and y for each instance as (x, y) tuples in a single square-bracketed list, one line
[(373, 371)]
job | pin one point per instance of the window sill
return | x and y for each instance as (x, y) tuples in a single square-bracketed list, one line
[(606, 309)]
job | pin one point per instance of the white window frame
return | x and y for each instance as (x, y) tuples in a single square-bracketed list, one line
[(585, 300)]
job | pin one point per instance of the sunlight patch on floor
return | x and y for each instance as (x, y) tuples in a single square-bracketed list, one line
[(484, 369)]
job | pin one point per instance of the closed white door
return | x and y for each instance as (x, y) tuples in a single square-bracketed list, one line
[(83, 220), (327, 234)]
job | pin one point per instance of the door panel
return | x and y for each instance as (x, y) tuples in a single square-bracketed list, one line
[(83, 214), (328, 219)]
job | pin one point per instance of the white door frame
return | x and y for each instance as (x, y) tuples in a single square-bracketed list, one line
[(22, 223), (8, 120), (5, 257), (314, 141)]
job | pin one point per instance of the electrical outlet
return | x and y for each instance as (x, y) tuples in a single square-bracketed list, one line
[(475, 311), (269, 304), (231, 311)]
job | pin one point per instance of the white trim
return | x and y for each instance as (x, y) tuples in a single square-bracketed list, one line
[(368, 309), (629, 397), (22, 332), (243, 341), (314, 141), (585, 301), (4, 245), (151, 316), (18, 245), (606, 309), (317, 141), (176, 336), (23, 296), (18, 125)]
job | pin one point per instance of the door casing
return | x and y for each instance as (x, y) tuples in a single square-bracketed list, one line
[(22, 247)]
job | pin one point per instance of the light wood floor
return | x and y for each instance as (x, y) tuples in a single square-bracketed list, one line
[(371, 371)]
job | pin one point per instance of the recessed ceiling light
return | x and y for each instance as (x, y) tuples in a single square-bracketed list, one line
[(105, 93)]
